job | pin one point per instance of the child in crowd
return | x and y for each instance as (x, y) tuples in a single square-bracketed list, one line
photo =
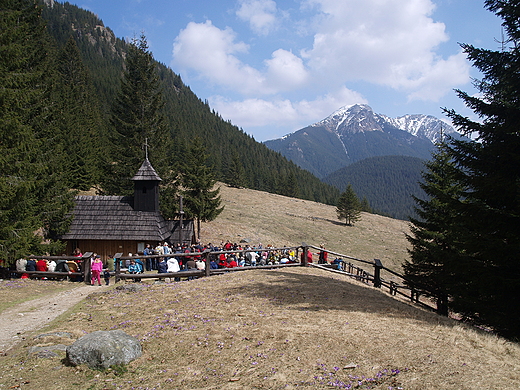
[(95, 268), (106, 276)]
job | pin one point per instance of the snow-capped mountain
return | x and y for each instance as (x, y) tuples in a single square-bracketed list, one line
[(355, 132), (360, 118)]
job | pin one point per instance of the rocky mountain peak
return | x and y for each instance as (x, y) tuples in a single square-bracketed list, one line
[(356, 118), (360, 118)]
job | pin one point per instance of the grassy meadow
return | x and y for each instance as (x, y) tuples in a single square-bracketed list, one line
[(273, 329)]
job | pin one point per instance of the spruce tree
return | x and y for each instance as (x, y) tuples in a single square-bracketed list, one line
[(348, 207), (78, 120), (202, 201), (434, 238), (365, 205), (137, 120), (34, 200), (290, 186), (234, 173), (490, 170)]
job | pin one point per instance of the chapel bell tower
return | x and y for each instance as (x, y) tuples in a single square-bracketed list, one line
[(146, 188)]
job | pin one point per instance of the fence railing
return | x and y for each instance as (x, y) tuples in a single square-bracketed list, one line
[(399, 285), (382, 276), (206, 256)]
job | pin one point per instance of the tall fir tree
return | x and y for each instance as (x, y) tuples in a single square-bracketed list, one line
[(78, 120), (202, 200), (365, 205), (434, 238), (348, 207), (490, 170), (235, 173), (290, 185), (34, 200), (138, 120)]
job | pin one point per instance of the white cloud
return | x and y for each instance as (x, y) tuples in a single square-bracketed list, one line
[(261, 15), (282, 113), (211, 52), (286, 71), (386, 42), (441, 78)]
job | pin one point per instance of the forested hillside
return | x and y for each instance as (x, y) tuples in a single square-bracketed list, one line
[(235, 156), (387, 182)]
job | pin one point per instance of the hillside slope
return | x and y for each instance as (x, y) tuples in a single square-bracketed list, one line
[(186, 115), (353, 133), (279, 220), (387, 182), (265, 329)]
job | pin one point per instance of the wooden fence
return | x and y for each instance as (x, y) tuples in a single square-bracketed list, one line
[(206, 256), (396, 283)]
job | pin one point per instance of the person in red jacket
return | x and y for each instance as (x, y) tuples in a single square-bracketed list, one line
[(233, 263), (41, 265), (309, 257), (222, 261), (323, 255)]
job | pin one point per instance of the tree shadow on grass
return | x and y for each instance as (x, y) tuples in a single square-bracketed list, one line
[(315, 292)]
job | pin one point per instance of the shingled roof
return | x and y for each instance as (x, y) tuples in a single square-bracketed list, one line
[(127, 218), (146, 172), (113, 218)]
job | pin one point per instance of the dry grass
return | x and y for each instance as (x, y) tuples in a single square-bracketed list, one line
[(278, 329), (17, 291), (280, 221)]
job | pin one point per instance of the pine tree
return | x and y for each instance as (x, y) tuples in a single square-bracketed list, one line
[(349, 207), (290, 186), (434, 236), (202, 201), (365, 205), (137, 120), (235, 174), (33, 199), (490, 170), (78, 120)]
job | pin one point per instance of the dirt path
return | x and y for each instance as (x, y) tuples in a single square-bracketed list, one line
[(32, 315)]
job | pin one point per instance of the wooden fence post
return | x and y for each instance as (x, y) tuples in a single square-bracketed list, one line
[(305, 251), (85, 267), (377, 273), (207, 261), (117, 266)]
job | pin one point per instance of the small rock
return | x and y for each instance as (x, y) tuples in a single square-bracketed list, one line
[(55, 334), (48, 351), (135, 287)]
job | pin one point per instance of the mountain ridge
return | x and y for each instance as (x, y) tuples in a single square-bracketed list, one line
[(355, 132), (187, 116)]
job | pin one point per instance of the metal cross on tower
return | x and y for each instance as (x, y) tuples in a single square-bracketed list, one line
[(146, 148)]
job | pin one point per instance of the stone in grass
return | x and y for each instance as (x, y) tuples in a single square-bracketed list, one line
[(134, 287), (55, 334), (102, 349), (48, 351)]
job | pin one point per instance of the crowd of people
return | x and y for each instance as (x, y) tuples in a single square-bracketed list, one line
[(72, 267), (183, 257), (173, 258), (25, 266)]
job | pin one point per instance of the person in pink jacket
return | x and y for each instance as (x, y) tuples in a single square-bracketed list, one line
[(95, 269)]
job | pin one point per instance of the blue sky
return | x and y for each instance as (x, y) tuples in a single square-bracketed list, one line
[(272, 67)]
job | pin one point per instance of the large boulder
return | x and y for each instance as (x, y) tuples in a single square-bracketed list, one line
[(102, 349)]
